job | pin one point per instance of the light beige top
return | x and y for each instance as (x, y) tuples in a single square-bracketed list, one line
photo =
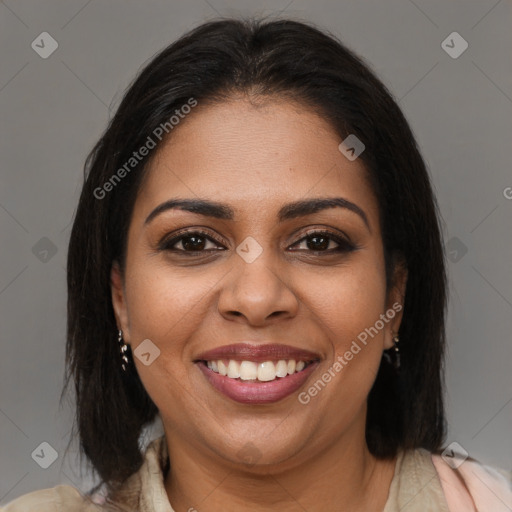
[(416, 487)]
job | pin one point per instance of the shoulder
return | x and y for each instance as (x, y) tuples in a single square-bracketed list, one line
[(60, 497), (487, 487), (454, 483)]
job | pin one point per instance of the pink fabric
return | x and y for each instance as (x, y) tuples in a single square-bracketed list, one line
[(456, 494), (98, 499), (482, 488)]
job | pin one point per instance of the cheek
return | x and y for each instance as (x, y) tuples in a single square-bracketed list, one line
[(166, 305), (349, 312), (352, 302), (354, 317)]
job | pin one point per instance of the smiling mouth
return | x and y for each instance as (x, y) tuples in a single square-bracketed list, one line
[(246, 388), (257, 373), (253, 371)]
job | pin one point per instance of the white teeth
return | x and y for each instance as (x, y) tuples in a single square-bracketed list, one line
[(222, 368), (233, 369), (250, 370), (266, 371), (281, 368)]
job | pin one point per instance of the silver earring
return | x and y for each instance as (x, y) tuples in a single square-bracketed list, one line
[(396, 360), (123, 348)]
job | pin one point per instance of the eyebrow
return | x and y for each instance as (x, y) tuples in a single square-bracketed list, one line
[(289, 211)]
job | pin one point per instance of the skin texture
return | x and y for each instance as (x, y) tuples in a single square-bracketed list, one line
[(257, 155)]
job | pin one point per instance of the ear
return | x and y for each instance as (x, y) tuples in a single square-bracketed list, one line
[(395, 303), (119, 300)]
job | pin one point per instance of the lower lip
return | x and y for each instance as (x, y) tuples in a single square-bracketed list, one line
[(246, 392)]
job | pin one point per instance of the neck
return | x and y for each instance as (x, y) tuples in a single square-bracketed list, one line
[(342, 476)]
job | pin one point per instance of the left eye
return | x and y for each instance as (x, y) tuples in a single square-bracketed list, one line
[(319, 241)]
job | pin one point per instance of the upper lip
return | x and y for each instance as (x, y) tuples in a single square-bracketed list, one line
[(258, 353)]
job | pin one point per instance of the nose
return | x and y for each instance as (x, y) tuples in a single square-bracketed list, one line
[(257, 293)]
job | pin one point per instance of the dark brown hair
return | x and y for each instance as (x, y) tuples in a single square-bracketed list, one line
[(270, 58)]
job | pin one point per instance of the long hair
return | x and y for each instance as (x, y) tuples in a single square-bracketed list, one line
[(282, 58)]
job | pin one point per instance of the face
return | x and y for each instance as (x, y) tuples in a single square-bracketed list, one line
[(256, 282)]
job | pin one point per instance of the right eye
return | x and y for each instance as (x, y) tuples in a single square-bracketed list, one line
[(191, 242)]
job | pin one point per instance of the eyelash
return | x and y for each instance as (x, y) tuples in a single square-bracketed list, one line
[(343, 244)]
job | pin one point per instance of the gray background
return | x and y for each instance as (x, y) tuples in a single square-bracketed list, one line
[(54, 109)]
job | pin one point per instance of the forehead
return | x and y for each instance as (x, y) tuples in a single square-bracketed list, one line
[(254, 156)]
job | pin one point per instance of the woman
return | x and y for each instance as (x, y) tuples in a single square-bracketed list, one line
[(256, 258)]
